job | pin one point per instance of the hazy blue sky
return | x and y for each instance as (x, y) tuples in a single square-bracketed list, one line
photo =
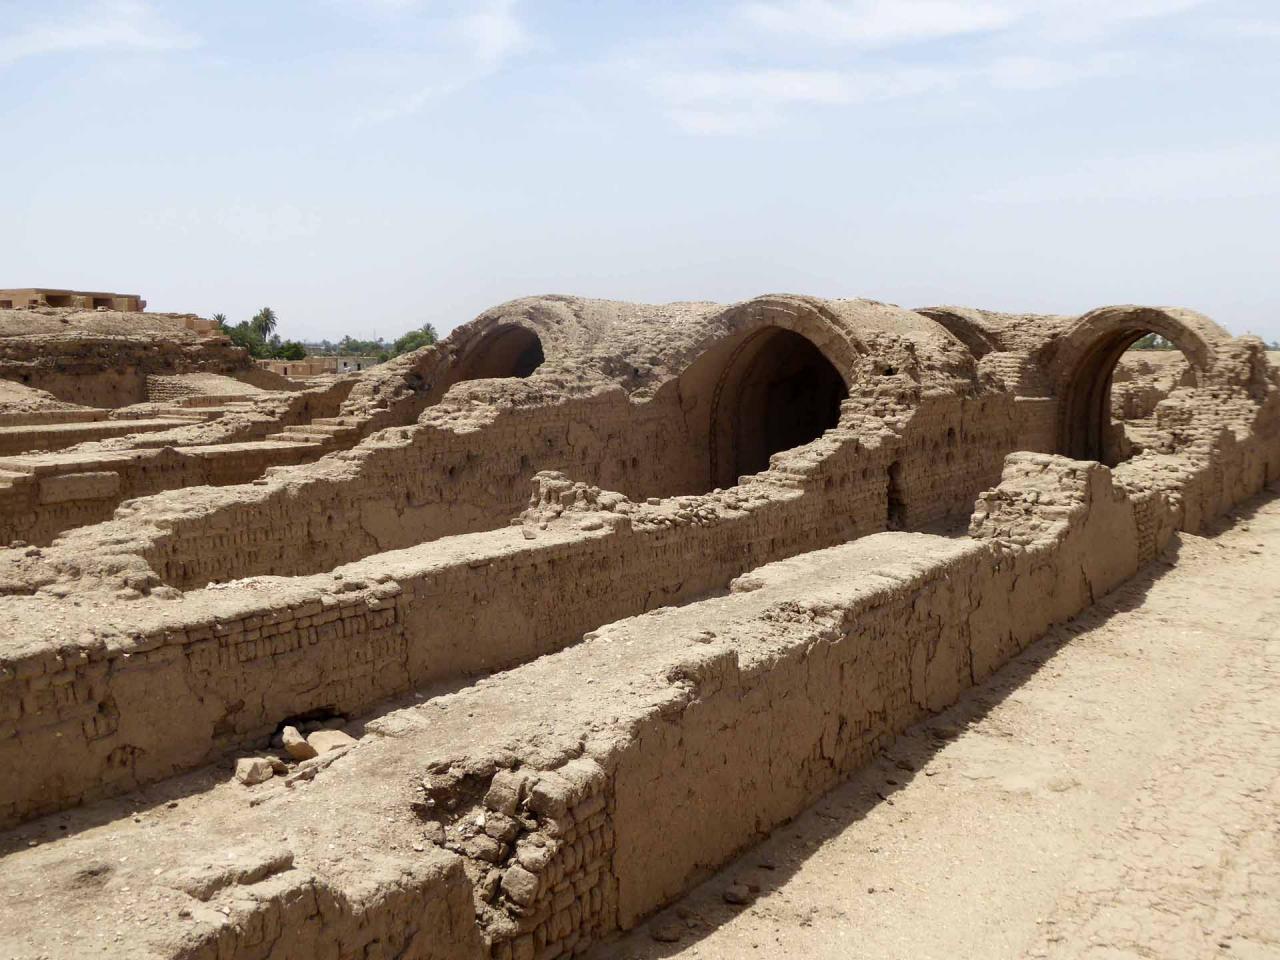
[(364, 166)]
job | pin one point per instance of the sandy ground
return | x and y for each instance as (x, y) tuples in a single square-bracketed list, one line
[(1112, 794)]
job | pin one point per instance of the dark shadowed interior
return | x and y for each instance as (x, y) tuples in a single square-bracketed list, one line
[(778, 391), (507, 351)]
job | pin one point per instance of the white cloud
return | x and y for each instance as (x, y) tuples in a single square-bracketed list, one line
[(875, 22), (476, 41), (747, 101), (493, 31), (848, 52), (888, 23), (771, 88), (1247, 29), (103, 25), (1045, 73), (722, 122), (1083, 21)]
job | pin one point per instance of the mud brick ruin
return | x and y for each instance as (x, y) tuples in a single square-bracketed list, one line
[(495, 649)]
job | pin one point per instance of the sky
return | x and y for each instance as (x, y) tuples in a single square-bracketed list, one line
[(366, 166)]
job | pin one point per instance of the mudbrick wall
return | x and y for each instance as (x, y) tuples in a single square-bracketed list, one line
[(355, 637), (57, 492), (533, 794), (877, 633), (44, 494), (902, 456), (466, 466), (641, 427), (1145, 377), (113, 371), (238, 662), (720, 656), (472, 472)]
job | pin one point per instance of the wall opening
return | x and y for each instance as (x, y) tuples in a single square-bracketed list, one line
[(896, 514), (103, 302), (57, 299), (1108, 408), (778, 391), (506, 351)]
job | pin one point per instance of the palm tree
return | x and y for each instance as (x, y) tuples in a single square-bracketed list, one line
[(220, 319), (263, 322)]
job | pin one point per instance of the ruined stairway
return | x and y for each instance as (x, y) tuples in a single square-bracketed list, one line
[(322, 430), (56, 436)]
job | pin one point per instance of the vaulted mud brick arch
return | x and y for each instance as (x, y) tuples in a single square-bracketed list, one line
[(777, 391), (505, 351), (1086, 362)]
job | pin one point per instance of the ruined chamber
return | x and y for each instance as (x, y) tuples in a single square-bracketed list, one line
[(583, 571)]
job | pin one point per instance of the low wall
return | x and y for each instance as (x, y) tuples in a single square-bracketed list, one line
[(16, 440), (776, 694), (608, 779), (728, 716), (411, 908), (113, 371), (73, 488), (236, 662), (468, 468), (62, 491)]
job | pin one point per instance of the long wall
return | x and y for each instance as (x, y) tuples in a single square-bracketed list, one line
[(727, 713), (729, 716), (876, 633), (238, 662), (235, 663), (467, 468)]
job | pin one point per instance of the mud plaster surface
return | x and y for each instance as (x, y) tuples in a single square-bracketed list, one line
[(112, 884), (1112, 793)]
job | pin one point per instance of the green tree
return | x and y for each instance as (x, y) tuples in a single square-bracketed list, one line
[(248, 334), (243, 335), (415, 340), (1153, 341), (361, 348), (264, 323)]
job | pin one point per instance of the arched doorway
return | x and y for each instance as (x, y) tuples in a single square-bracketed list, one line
[(1081, 365), (505, 351), (777, 391), (1108, 405)]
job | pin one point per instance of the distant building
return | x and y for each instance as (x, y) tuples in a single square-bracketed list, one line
[(318, 366), (81, 299)]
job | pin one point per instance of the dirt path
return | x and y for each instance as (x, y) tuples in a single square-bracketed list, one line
[(1114, 793)]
